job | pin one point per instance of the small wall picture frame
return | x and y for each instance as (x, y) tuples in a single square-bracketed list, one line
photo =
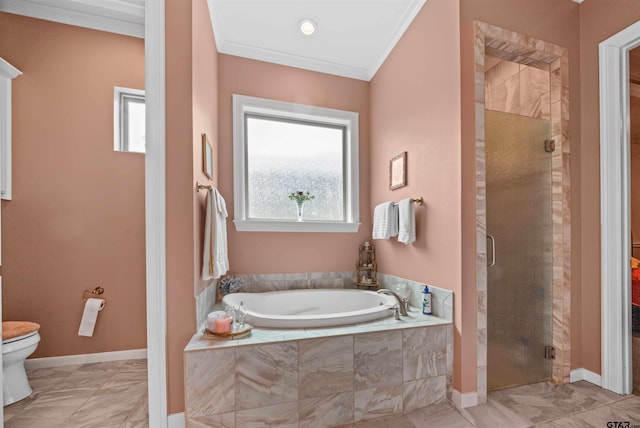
[(207, 157), (398, 171)]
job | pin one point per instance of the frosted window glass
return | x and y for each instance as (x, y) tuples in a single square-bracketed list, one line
[(286, 156), (128, 120), (135, 125)]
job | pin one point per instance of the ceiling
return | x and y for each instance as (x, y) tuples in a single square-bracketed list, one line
[(353, 37)]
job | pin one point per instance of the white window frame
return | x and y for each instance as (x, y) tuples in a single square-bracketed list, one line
[(243, 105), (119, 118)]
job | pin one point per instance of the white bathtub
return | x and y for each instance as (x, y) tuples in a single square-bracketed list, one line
[(312, 308)]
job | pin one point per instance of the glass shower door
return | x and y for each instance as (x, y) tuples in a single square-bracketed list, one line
[(519, 249)]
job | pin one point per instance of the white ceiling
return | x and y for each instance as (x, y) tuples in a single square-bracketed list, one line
[(352, 39)]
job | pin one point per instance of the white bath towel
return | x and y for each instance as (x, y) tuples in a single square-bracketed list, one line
[(385, 221), (215, 257), (407, 221)]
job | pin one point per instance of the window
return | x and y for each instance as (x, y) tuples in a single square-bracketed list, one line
[(128, 120), (280, 148)]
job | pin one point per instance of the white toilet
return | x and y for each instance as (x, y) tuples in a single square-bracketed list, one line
[(19, 340)]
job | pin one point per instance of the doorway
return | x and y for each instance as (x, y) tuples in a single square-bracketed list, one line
[(615, 179), (507, 45), (155, 221)]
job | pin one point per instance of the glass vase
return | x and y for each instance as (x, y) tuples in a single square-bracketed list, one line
[(300, 207)]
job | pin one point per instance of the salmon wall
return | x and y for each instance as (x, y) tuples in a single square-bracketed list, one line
[(415, 107), (599, 20), (263, 252), (205, 121), (76, 220)]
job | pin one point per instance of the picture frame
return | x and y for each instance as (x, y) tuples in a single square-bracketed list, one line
[(207, 157), (398, 171)]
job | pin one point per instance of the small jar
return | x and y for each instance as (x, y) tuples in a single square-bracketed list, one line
[(230, 310), (211, 320), (223, 323)]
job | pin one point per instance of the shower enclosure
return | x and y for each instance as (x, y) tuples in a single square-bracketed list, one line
[(519, 249)]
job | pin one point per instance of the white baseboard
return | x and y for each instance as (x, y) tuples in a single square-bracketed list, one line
[(583, 374), (176, 420), (100, 357), (464, 400)]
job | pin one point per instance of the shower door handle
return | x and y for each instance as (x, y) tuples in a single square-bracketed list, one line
[(493, 251)]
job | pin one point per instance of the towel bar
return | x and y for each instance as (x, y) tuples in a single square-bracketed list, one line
[(417, 201), (200, 187)]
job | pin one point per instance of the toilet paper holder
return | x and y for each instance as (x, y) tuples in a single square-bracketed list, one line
[(87, 294)]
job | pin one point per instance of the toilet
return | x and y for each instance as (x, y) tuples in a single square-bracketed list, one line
[(19, 340)]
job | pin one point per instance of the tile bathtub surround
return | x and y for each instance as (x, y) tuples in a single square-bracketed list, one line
[(441, 299), (257, 283), (324, 377), (204, 302)]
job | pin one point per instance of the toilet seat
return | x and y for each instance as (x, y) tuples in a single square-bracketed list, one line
[(20, 342)]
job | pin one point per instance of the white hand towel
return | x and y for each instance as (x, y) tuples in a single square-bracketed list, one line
[(385, 221), (215, 257), (407, 221)]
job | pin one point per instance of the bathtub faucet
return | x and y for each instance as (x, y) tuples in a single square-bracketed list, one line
[(401, 302)]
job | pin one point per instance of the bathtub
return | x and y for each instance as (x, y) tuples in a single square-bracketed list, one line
[(312, 307)]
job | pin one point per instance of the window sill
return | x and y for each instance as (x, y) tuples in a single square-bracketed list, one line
[(294, 226)]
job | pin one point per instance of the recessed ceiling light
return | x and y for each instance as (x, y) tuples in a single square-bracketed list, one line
[(307, 26)]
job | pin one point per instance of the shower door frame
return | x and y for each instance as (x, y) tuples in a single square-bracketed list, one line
[(527, 50)]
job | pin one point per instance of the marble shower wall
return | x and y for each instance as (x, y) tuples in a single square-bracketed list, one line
[(517, 88)]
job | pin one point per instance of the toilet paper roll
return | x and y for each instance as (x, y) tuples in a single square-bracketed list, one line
[(89, 316)]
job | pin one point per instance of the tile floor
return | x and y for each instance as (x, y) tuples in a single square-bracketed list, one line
[(99, 395), (114, 394), (543, 405)]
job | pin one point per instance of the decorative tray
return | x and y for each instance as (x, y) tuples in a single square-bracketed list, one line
[(235, 333)]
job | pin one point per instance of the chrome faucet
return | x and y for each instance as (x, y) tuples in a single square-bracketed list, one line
[(401, 303)]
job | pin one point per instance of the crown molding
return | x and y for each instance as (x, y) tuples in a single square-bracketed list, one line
[(278, 57), (283, 58), (8, 71), (407, 19), (115, 16)]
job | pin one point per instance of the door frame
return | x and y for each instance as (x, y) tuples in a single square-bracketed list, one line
[(155, 212), (615, 251)]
